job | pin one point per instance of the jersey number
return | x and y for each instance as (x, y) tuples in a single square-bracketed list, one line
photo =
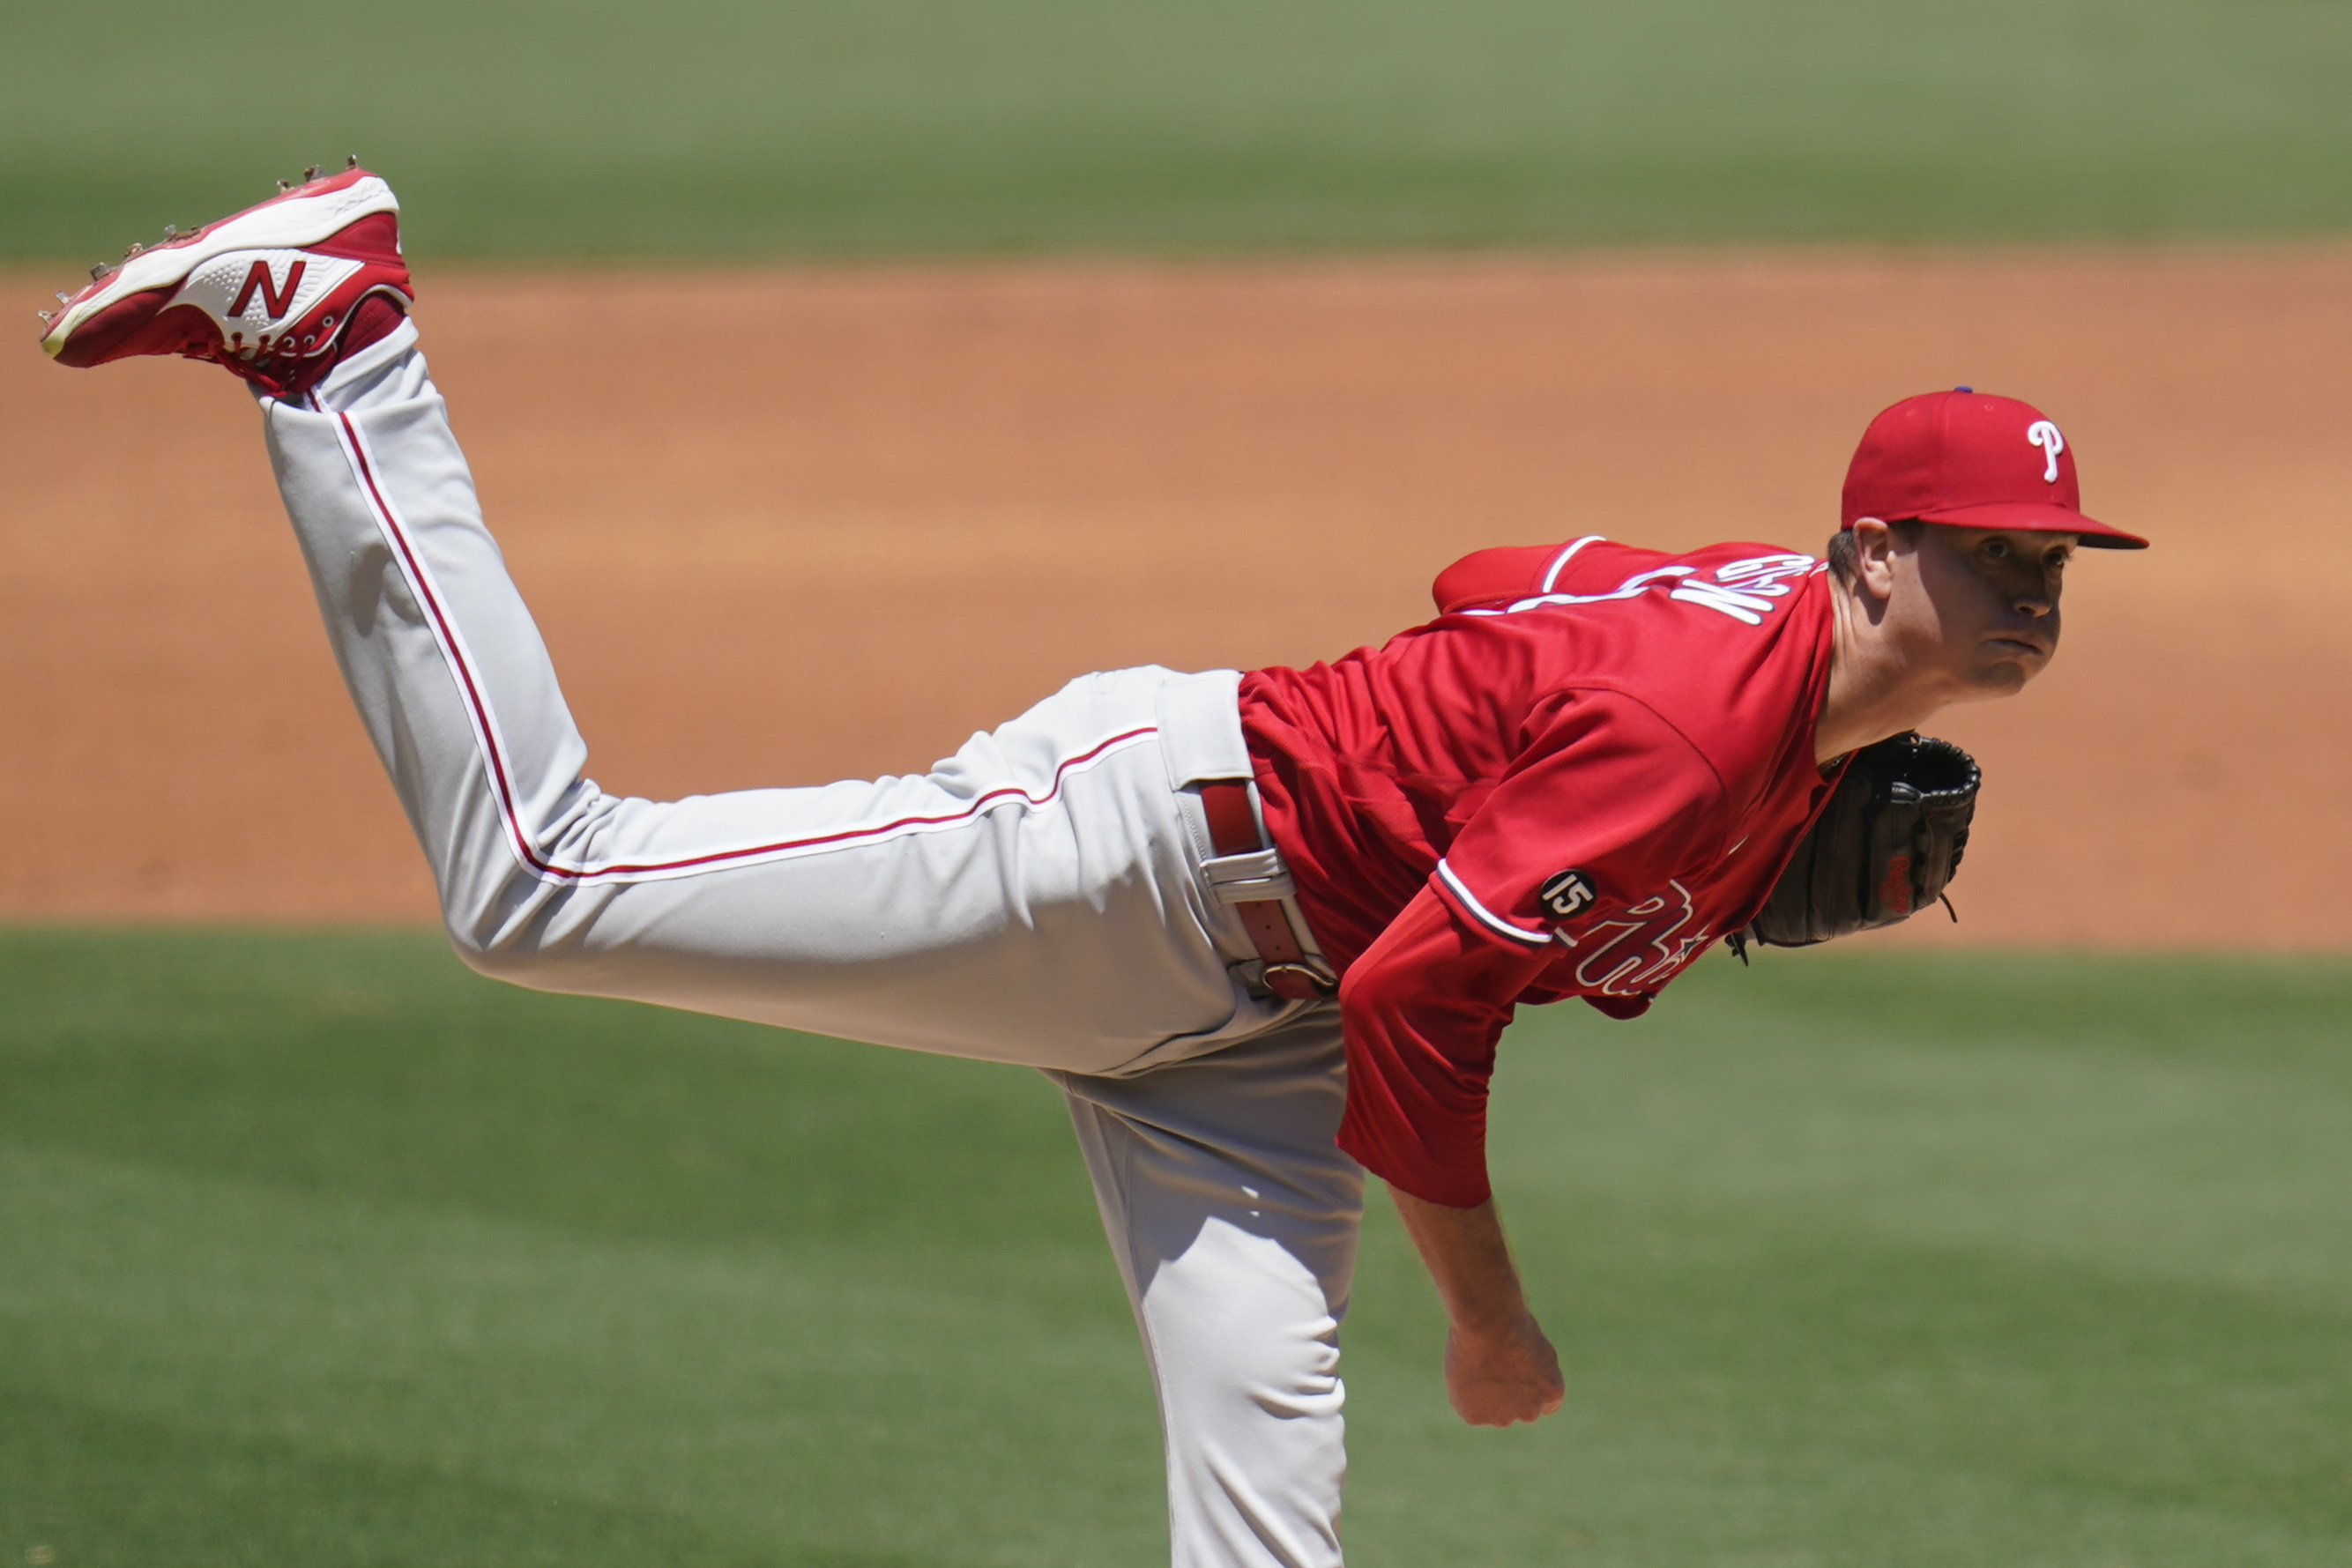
[(1570, 892)]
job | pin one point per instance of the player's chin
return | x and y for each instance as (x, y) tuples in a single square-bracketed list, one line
[(2005, 668)]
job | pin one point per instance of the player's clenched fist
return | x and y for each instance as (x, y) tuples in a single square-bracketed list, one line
[(1495, 1377)]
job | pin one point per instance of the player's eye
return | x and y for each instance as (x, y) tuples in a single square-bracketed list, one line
[(1995, 549)]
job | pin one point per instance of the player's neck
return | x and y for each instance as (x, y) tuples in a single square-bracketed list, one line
[(1873, 690)]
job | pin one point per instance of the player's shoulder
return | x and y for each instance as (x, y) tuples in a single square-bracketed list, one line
[(1742, 579), (1484, 578)]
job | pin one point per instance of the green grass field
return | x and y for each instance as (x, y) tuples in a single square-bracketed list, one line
[(710, 128), (318, 1250)]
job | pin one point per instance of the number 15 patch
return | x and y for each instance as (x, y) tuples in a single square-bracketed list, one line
[(1568, 893)]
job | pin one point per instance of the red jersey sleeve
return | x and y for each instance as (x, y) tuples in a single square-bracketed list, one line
[(1420, 1012), (1502, 572), (1573, 855)]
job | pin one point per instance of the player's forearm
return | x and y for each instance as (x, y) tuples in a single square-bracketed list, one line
[(1468, 1260), (1499, 1368)]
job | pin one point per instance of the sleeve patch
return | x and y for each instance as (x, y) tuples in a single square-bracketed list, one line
[(1568, 893)]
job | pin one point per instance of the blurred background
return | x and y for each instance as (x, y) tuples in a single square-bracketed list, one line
[(840, 380)]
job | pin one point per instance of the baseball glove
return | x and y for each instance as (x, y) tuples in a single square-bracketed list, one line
[(1885, 847)]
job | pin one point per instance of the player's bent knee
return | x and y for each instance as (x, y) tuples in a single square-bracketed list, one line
[(491, 961), (501, 951)]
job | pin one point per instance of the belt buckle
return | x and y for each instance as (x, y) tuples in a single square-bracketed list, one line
[(1299, 982)]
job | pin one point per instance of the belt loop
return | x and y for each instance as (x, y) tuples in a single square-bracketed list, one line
[(1233, 819), (1289, 971)]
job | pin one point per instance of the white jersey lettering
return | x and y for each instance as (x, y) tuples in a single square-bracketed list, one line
[(1616, 968), (1746, 591)]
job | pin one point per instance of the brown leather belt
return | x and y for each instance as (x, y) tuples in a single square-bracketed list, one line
[(1290, 974)]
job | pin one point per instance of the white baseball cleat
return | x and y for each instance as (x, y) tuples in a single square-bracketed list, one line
[(269, 293)]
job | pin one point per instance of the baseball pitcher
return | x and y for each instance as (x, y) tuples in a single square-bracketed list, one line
[(1264, 929)]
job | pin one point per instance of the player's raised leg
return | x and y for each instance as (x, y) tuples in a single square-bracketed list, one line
[(1036, 897), (1234, 1218)]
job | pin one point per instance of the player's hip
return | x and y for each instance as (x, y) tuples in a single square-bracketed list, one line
[(1110, 945)]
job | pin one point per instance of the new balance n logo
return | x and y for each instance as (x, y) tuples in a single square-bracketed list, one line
[(273, 299)]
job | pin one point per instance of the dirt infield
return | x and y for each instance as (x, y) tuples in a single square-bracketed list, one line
[(782, 527)]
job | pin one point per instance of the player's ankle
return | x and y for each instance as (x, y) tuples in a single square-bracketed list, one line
[(371, 320)]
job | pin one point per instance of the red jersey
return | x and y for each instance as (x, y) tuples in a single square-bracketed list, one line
[(1593, 763)]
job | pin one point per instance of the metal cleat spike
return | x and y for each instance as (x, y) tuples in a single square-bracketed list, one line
[(351, 160), (133, 248), (171, 233), (310, 173), (63, 298), (100, 269), (46, 315), (284, 186)]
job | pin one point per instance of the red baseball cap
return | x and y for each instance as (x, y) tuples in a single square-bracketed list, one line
[(1975, 461)]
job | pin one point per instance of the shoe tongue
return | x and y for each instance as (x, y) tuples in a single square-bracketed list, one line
[(371, 320)]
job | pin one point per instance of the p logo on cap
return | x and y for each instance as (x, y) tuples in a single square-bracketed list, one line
[(1974, 461), (2045, 434)]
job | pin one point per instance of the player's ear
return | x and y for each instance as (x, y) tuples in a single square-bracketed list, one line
[(1874, 549)]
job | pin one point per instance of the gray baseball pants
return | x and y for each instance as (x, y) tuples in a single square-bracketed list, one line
[(1046, 896)]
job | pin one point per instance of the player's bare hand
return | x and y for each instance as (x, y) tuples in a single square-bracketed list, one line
[(1496, 1376)]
